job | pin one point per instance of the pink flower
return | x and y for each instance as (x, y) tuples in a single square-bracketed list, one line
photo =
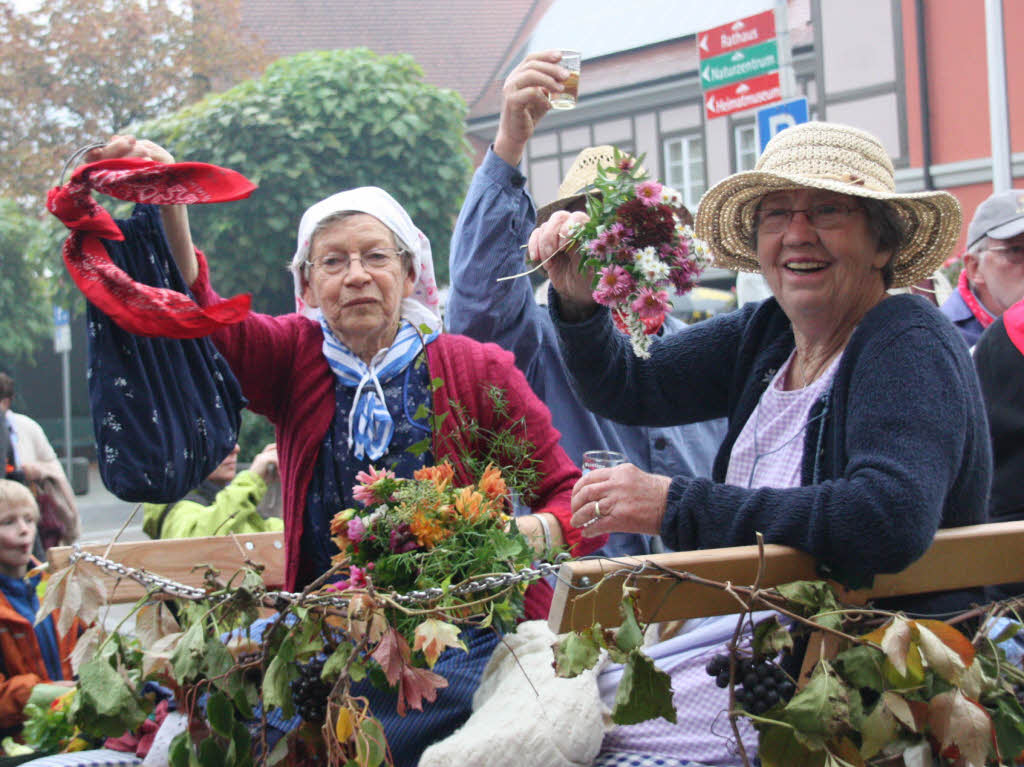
[(337, 586), (613, 285), (357, 577), (650, 303), (364, 492), (597, 247), (356, 529), (626, 163), (616, 234), (649, 192)]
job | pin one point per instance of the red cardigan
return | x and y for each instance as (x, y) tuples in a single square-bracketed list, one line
[(284, 374)]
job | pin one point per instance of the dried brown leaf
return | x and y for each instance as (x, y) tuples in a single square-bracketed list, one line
[(963, 724), (154, 621), (86, 646)]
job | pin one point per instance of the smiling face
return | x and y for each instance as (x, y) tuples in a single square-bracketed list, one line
[(362, 307), (822, 278), (18, 518)]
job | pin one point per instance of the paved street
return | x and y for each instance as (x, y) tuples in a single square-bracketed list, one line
[(102, 514)]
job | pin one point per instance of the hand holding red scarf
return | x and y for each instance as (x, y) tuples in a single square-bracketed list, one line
[(138, 308)]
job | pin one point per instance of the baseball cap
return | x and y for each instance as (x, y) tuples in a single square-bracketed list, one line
[(1001, 216)]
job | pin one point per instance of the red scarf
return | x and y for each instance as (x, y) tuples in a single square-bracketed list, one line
[(979, 311), (1013, 319), (137, 308)]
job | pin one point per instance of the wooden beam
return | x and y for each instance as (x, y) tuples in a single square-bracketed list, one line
[(184, 560), (590, 590)]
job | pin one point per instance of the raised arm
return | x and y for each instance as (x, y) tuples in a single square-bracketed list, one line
[(175, 217), (496, 220)]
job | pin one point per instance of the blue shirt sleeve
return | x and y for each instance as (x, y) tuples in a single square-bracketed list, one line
[(493, 226)]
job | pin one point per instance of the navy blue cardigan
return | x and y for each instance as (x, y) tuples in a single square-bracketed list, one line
[(901, 450)]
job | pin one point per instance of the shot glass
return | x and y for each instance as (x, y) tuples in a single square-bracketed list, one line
[(567, 98), (601, 459)]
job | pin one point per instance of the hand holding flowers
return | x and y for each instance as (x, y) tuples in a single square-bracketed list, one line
[(633, 249)]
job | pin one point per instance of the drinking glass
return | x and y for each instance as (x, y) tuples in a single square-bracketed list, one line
[(601, 459), (567, 98)]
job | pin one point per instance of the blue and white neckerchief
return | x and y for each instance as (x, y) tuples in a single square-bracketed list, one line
[(370, 426)]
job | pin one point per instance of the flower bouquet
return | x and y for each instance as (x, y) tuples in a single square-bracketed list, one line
[(638, 247), (422, 533)]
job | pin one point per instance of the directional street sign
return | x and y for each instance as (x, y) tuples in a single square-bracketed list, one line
[(746, 62), (736, 34), (755, 92), (61, 330), (775, 118)]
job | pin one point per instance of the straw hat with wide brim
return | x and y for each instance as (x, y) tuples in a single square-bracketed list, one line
[(579, 181), (840, 159)]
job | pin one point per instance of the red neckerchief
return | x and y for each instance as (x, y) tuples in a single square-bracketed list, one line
[(137, 308), (979, 311), (1013, 320)]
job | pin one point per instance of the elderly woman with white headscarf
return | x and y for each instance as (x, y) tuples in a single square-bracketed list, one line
[(343, 379)]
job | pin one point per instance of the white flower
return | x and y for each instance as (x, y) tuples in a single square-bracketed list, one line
[(670, 196)]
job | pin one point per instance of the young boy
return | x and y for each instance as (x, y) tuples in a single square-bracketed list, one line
[(28, 655)]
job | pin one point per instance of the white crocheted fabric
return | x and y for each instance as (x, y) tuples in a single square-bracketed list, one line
[(525, 716)]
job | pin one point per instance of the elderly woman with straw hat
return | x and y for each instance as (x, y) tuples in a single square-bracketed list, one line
[(856, 424), (346, 380)]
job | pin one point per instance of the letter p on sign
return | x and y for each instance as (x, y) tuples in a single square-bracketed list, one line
[(777, 117)]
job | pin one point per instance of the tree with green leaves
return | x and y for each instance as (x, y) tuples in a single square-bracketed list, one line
[(312, 125), (74, 71), (25, 296)]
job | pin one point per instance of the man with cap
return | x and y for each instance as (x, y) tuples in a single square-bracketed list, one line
[(489, 240), (993, 276)]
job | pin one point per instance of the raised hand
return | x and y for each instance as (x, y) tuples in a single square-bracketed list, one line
[(524, 100), (548, 245)]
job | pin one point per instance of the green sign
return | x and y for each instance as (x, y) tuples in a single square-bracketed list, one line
[(739, 65)]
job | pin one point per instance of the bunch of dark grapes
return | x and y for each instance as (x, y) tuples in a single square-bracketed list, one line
[(309, 692), (760, 684)]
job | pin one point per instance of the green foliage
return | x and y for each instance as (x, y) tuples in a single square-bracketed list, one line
[(315, 124), (254, 434), (26, 318)]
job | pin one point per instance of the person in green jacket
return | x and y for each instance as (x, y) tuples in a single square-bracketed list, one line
[(226, 502)]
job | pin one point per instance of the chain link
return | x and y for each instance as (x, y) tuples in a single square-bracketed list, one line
[(153, 582)]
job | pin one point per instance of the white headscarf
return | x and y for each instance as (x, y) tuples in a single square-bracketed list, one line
[(420, 308)]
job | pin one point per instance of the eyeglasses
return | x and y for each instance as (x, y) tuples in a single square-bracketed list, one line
[(827, 215), (375, 260), (1012, 253)]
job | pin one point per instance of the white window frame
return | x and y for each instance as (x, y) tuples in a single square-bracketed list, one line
[(680, 175), (744, 160)]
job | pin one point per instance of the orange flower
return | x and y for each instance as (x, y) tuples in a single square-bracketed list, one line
[(469, 503), (492, 484), (440, 475), (428, 531)]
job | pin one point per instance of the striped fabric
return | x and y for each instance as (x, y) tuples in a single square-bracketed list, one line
[(100, 757), (624, 759), (370, 426)]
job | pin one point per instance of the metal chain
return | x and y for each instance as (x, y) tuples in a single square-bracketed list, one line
[(153, 582)]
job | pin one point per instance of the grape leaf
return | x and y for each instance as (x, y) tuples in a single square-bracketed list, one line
[(645, 692), (187, 658), (771, 637), (822, 707), (154, 621), (371, 746), (219, 714), (1008, 721), (433, 636), (414, 684), (779, 747), (577, 651), (85, 647), (104, 704), (817, 600), (910, 716), (53, 598), (629, 636), (957, 721)]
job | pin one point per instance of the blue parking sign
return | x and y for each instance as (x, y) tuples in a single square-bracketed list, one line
[(777, 117)]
